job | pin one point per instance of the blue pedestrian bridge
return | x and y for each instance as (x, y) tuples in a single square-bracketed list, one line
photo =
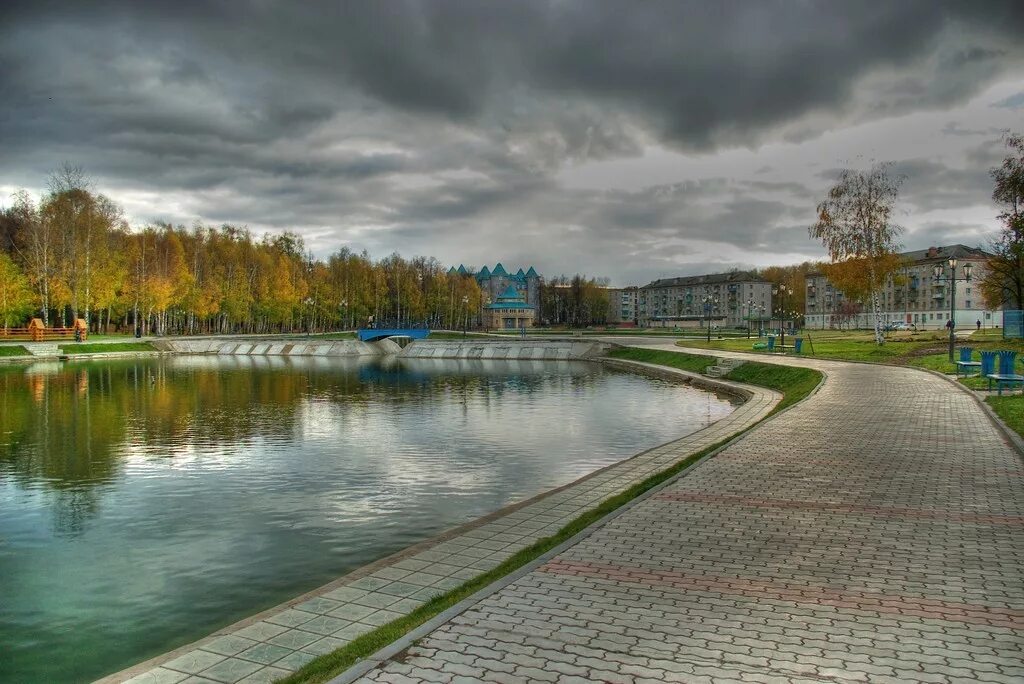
[(374, 334)]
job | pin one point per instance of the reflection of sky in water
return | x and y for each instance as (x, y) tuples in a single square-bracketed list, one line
[(145, 503)]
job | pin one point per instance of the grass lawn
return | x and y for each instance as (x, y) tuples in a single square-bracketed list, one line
[(106, 347), (926, 349), (794, 383), (1011, 410), (13, 350)]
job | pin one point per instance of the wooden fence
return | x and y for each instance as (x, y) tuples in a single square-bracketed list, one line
[(37, 332)]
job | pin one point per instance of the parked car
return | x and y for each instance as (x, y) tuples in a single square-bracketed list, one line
[(898, 325)]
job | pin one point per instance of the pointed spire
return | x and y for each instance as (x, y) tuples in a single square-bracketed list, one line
[(452, 271), (499, 270), (484, 273), (462, 270), (531, 273)]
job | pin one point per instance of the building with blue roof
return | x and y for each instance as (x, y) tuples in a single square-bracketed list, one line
[(509, 311), (494, 283)]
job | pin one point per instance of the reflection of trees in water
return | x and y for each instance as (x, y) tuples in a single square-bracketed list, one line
[(68, 428)]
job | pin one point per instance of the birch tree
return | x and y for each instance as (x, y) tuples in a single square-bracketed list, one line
[(856, 222), (1002, 283)]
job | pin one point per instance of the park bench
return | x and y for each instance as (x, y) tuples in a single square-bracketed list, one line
[(965, 365), (1007, 375), (796, 347), (773, 346)]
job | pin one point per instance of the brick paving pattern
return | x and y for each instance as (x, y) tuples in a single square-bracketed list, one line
[(286, 640), (875, 533)]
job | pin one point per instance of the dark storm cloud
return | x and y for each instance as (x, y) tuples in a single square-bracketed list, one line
[(417, 125)]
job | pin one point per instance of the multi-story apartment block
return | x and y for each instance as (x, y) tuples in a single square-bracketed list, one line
[(728, 300), (913, 296), (622, 304)]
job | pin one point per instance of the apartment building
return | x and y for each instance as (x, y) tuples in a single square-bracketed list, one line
[(622, 304), (727, 300), (914, 296)]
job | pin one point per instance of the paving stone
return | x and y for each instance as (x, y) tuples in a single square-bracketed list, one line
[(158, 675), (797, 554), (265, 675), (294, 660), (291, 618), (345, 594), (294, 639), (325, 645), (229, 645), (230, 670), (194, 662), (264, 653), (260, 631), (352, 612), (319, 605)]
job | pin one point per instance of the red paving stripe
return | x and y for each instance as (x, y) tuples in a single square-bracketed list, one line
[(883, 604), (891, 511), (888, 467)]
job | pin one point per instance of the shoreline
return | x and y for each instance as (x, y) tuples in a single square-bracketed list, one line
[(456, 542)]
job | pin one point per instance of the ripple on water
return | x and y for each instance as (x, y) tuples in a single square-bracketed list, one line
[(136, 516)]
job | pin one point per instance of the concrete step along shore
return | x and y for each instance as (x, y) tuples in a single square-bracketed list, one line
[(722, 367), (418, 349), (42, 348)]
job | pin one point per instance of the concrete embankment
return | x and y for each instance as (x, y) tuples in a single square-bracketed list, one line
[(561, 350), (469, 348), (255, 347)]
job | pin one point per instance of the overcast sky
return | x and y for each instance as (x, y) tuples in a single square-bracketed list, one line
[(632, 140)]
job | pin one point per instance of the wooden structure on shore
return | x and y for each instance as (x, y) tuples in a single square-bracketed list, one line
[(36, 331)]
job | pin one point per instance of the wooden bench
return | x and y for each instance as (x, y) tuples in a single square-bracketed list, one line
[(796, 347), (967, 367), (1002, 380)]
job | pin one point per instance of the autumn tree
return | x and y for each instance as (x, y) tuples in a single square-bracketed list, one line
[(1002, 284), (15, 293), (856, 222), (36, 245)]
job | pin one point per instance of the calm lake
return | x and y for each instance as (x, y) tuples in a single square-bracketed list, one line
[(146, 503)]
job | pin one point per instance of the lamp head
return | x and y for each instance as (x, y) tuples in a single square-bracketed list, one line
[(968, 269), (952, 262)]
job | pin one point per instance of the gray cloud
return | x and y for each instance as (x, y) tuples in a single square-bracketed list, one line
[(439, 127)]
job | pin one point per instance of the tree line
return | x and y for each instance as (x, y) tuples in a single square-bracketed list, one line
[(72, 255)]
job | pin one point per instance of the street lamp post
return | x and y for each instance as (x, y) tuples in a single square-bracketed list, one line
[(465, 315), (951, 281), (309, 309), (781, 291), (709, 302), (750, 310)]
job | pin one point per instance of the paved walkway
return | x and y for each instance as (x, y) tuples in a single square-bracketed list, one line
[(277, 642), (875, 533)]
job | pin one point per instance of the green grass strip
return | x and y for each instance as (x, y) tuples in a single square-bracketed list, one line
[(13, 350), (1011, 409), (101, 348), (794, 383)]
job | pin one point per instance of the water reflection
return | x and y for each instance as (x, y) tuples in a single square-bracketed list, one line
[(144, 503)]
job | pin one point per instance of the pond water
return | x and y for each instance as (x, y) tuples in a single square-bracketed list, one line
[(146, 503)]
